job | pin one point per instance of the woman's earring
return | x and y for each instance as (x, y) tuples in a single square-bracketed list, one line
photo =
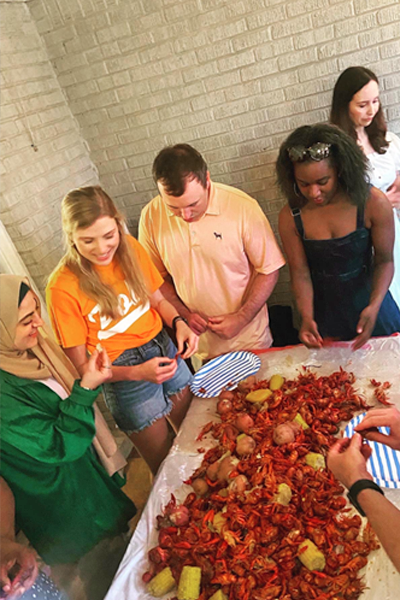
[(296, 190)]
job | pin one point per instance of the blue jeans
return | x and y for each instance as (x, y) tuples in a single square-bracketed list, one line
[(137, 404)]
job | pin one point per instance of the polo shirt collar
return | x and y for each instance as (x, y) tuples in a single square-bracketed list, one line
[(213, 207)]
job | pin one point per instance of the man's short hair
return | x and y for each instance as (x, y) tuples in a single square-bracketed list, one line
[(175, 164)]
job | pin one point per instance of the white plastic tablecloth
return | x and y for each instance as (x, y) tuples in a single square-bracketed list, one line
[(379, 359)]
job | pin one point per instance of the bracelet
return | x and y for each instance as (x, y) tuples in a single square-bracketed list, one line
[(357, 487), (176, 319)]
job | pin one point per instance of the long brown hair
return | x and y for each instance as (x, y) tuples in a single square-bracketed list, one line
[(351, 81), (80, 209)]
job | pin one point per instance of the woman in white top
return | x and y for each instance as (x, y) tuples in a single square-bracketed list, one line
[(357, 110)]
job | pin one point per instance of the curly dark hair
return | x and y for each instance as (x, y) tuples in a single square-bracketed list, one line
[(345, 156), (174, 164), (351, 81)]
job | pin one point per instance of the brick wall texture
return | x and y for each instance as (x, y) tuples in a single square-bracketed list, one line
[(105, 84)]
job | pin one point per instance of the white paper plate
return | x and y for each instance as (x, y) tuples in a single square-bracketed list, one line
[(384, 464), (224, 372)]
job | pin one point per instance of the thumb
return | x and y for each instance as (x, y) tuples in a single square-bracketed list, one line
[(181, 346), (356, 441), (361, 323), (94, 355)]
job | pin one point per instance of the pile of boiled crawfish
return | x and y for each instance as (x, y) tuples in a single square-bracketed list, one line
[(255, 555)]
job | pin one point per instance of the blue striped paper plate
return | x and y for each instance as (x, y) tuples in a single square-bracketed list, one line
[(384, 464), (224, 373)]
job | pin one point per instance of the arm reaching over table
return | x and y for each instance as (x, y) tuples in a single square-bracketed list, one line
[(382, 417), (347, 461), (228, 326), (15, 558)]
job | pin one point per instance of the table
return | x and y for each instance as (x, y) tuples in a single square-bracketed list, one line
[(379, 359)]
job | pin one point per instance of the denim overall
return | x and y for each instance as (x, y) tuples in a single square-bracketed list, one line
[(341, 272)]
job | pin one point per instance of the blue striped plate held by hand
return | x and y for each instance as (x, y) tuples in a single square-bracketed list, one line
[(224, 373), (384, 464)]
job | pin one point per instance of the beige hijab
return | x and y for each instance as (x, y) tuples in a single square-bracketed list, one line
[(45, 360)]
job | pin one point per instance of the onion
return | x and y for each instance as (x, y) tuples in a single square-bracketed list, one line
[(224, 406), (244, 422), (180, 516)]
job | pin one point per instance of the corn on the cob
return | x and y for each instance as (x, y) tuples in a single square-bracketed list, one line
[(219, 596), (258, 395), (162, 583), (189, 583), (276, 382), (310, 556), (283, 495), (315, 460), (299, 419)]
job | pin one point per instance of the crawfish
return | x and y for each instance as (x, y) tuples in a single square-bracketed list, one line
[(355, 564), (269, 592), (382, 397), (317, 535), (369, 537), (159, 555), (276, 400), (206, 429)]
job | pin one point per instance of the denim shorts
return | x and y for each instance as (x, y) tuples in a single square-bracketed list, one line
[(137, 404)]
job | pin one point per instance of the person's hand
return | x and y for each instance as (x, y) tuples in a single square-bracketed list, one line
[(226, 326), (382, 417), (98, 370), (157, 370), (348, 461), (21, 560), (197, 323), (393, 193), (185, 336), (309, 334), (365, 326)]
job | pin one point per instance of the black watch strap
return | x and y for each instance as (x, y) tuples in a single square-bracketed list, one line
[(357, 487), (176, 319)]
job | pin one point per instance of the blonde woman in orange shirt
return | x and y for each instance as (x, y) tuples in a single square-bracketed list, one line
[(105, 291)]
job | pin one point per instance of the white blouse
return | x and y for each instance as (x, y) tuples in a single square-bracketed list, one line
[(383, 169)]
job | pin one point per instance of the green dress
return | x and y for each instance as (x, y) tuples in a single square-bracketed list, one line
[(65, 501)]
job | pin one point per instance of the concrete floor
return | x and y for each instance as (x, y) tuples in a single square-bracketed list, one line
[(138, 485), (139, 478)]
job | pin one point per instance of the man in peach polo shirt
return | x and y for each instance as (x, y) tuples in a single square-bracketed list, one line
[(216, 251)]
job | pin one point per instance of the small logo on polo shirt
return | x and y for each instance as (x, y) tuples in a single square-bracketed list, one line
[(218, 236)]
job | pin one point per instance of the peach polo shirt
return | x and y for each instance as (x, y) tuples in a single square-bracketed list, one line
[(213, 261)]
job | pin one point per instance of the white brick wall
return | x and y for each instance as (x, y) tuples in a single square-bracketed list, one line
[(43, 153), (231, 77)]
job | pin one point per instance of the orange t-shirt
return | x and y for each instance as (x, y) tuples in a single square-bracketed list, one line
[(76, 318)]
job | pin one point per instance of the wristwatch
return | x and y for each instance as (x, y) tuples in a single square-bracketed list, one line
[(357, 487), (176, 319)]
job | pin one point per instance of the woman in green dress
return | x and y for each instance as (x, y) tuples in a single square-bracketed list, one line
[(66, 502)]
